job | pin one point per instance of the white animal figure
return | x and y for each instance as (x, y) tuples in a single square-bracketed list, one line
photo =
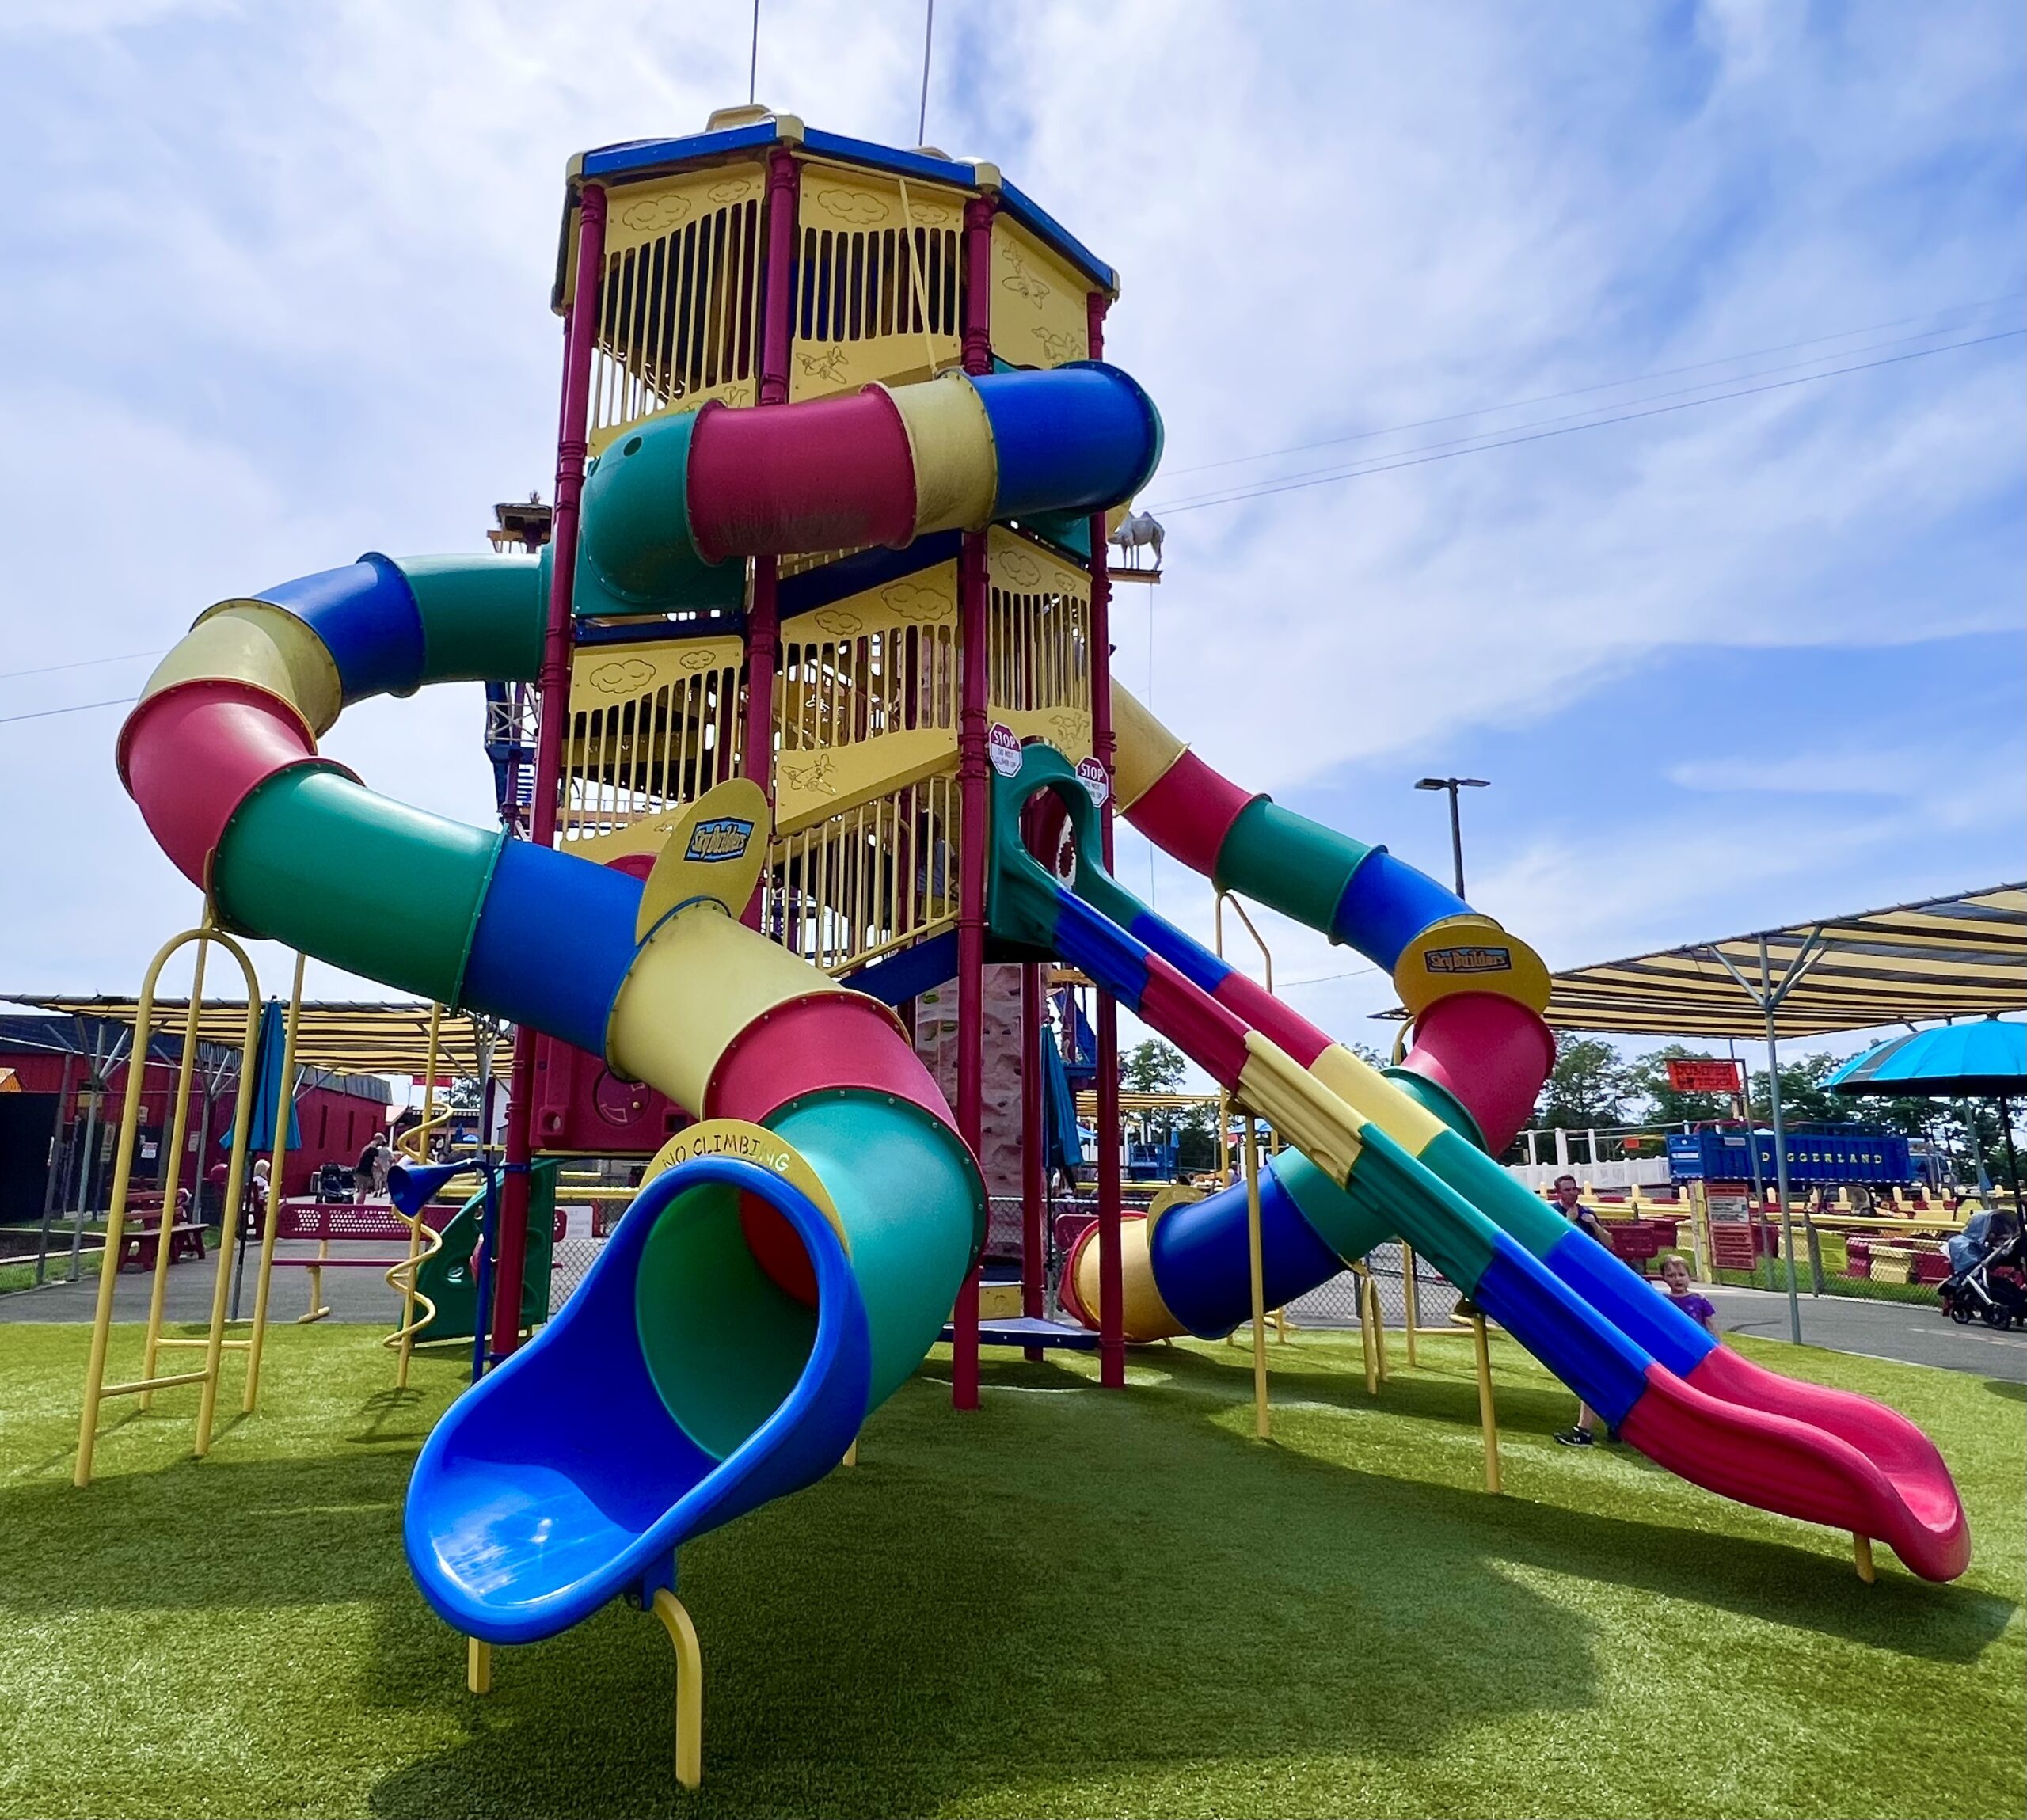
[(1138, 531)]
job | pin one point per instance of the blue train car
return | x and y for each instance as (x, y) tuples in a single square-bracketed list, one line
[(1847, 1154)]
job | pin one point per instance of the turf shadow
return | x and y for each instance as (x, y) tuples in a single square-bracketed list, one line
[(1761, 1579), (984, 1601)]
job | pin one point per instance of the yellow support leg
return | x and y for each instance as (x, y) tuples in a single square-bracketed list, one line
[(689, 1687), (270, 1222), (1487, 1415), (1379, 1330), (478, 1666), (1365, 1337), (851, 1454), (1260, 1422), (1862, 1557), (1412, 1297)]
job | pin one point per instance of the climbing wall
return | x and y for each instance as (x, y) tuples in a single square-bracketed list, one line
[(936, 1042)]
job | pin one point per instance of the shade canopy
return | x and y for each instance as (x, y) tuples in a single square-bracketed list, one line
[(343, 1037), (1984, 1060), (1913, 963)]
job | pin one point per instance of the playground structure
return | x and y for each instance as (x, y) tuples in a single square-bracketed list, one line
[(819, 650)]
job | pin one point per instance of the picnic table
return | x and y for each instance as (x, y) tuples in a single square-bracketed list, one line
[(140, 1236)]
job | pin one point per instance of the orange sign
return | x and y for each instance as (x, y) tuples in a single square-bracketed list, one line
[(1702, 1076)]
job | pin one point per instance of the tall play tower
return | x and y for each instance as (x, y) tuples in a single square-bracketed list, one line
[(760, 263)]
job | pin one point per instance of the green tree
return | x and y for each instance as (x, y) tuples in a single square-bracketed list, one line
[(1157, 1067), (1588, 1088), (1151, 1067)]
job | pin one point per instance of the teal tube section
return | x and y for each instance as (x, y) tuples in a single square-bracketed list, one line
[(638, 555), (908, 1198), (1516, 1210), (1296, 866), (315, 861), (483, 616)]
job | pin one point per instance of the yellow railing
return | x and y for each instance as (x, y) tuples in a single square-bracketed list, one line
[(870, 879), (678, 306), (652, 727)]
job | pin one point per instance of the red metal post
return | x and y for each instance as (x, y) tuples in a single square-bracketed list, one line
[(579, 336), (1034, 1147), (763, 618), (974, 607), (777, 288), (1112, 1332)]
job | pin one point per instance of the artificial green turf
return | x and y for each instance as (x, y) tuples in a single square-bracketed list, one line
[(1069, 1602)]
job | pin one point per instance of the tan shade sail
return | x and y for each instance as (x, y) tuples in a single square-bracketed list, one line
[(1914, 963), (343, 1037)]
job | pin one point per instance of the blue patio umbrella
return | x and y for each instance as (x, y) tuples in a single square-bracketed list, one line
[(267, 1085), (1986, 1060), (1983, 1061)]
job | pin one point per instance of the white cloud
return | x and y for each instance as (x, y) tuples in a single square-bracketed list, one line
[(296, 307)]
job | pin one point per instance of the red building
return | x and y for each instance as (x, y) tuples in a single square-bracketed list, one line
[(59, 1121)]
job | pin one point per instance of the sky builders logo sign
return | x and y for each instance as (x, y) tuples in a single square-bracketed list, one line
[(725, 839), (1455, 960)]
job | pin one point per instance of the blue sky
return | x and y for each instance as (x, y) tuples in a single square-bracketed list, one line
[(276, 293)]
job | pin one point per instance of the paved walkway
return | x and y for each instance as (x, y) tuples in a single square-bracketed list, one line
[(1915, 1333), (354, 1294), (1912, 1332)]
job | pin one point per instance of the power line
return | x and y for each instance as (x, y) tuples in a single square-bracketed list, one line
[(1478, 436), (1609, 385), (78, 708), (1445, 453), (77, 663)]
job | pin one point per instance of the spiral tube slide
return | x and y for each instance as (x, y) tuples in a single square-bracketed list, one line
[(1378, 1157), (738, 1329)]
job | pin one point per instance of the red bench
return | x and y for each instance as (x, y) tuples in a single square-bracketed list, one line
[(1638, 1241), (302, 1218)]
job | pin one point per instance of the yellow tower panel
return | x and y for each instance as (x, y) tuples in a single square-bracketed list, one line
[(1039, 652), (679, 310), (867, 697), (1041, 308), (652, 726), (877, 281)]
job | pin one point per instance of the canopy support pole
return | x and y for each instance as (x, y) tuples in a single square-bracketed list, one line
[(1767, 995)]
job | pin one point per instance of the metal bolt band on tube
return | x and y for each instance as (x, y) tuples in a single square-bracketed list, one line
[(579, 335)]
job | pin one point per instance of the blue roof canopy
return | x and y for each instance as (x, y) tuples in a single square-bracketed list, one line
[(634, 160)]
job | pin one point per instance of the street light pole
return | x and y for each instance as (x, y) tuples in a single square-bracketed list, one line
[(1453, 785)]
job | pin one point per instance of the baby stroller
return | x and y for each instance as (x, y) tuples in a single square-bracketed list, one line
[(1988, 1273)]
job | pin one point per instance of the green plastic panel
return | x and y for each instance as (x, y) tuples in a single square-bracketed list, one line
[(483, 616), (913, 1209), (321, 863), (1288, 862), (724, 1344), (445, 1275)]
